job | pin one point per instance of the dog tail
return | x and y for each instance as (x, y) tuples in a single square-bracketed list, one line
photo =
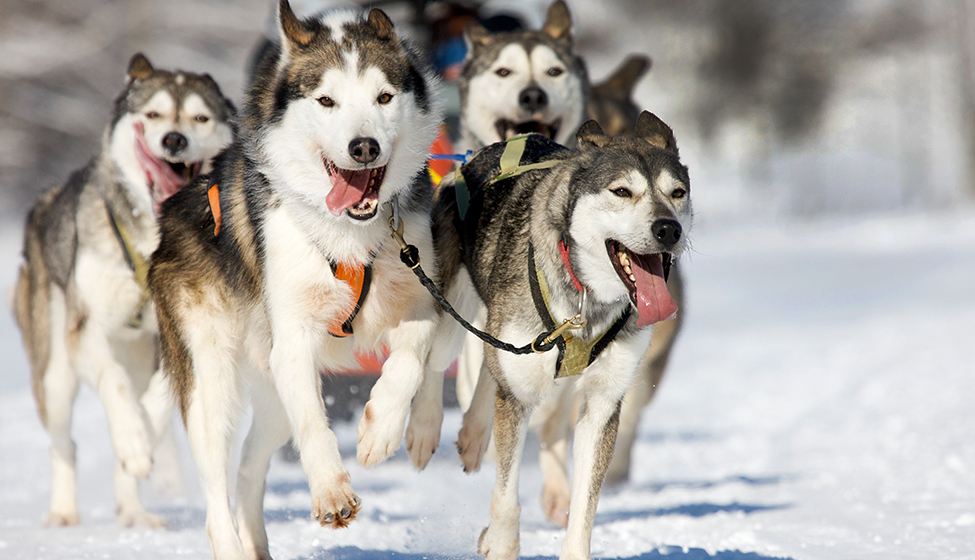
[(32, 310)]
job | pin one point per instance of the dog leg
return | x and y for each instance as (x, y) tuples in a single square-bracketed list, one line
[(380, 429), (500, 540), (298, 383), (426, 417), (158, 402), (126, 419), (595, 435), (269, 431), (60, 391), (553, 455), (475, 431), (211, 412)]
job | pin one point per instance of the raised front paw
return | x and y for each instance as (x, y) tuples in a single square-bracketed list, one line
[(379, 435), (555, 504), (423, 436), (132, 449), (472, 442), (337, 505)]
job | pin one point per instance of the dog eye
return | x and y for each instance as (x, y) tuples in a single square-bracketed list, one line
[(384, 98), (555, 71), (678, 193), (503, 72), (326, 101), (202, 118), (152, 115), (622, 192)]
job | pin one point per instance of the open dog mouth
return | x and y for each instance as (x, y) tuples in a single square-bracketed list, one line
[(164, 177), (506, 128), (354, 191), (645, 277)]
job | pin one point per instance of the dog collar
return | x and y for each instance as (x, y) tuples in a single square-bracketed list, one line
[(575, 354), (564, 253)]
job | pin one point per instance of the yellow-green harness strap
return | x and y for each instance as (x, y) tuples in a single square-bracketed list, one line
[(510, 161), (138, 265)]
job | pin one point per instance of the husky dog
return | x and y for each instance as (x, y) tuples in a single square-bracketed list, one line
[(590, 238), (81, 300), (521, 81), (281, 264), (487, 110)]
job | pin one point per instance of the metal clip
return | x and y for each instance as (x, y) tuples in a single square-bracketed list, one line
[(398, 233)]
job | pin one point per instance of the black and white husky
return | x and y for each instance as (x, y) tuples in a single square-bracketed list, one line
[(281, 264), (81, 299), (590, 238), (533, 81)]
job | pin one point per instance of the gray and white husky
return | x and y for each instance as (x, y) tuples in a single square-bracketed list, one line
[(533, 81), (81, 301), (591, 239), (281, 264)]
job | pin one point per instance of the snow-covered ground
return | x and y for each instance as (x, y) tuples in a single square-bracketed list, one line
[(819, 406)]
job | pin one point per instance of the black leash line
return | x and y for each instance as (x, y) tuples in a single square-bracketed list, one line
[(544, 342)]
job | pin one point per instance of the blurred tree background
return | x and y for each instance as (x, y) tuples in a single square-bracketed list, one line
[(781, 107)]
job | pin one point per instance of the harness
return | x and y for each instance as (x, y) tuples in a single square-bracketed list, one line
[(489, 170), (136, 262), (357, 276)]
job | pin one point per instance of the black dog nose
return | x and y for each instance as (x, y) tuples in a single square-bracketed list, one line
[(532, 99), (667, 232), (174, 142), (364, 150)]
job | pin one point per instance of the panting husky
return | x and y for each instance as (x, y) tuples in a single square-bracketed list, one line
[(540, 233), (81, 299), (532, 81), (280, 264)]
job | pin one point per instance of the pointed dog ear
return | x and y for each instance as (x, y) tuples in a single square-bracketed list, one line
[(653, 130), (591, 134), (558, 22), (292, 29), (627, 75), (476, 36), (379, 21), (139, 68)]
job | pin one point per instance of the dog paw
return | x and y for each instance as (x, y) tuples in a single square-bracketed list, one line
[(133, 451), (62, 519), (423, 437), (555, 504), (378, 438), (335, 505), (493, 547), (472, 442), (139, 518)]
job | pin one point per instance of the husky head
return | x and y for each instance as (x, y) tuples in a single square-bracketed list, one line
[(629, 215), (523, 81), (345, 114), (166, 128)]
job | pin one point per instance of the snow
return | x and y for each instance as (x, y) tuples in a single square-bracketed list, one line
[(818, 406)]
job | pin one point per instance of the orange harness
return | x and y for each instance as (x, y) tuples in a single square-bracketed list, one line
[(358, 276)]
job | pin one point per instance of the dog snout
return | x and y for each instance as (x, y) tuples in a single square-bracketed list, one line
[(174, 143), (532, 99), (667, 232), (364, 150)]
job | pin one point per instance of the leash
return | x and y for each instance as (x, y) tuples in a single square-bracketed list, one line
[(542, 343)]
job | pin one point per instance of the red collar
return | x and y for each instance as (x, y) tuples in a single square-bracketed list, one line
[(564, 251)]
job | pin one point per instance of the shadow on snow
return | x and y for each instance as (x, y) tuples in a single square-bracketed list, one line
[(664, 553)]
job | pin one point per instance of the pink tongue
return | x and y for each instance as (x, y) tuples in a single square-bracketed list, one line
[(158, 173), (348, 188), (653, 301)]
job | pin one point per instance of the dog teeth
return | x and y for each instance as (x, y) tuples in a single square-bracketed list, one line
[(624, 259), (628, 270), (632, 278)]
